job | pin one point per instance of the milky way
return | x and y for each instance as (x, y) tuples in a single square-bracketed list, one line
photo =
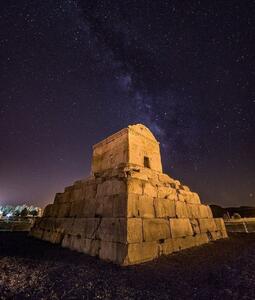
[(73, 72)]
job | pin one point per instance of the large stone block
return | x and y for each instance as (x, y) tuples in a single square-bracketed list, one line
[(140, 206), (88, 208), (76, 208), (47, 210), (195, 226), (64, 210), (164, 208), (181, 209), (112, 230), (164, 178), (207, 225), (141, 252), (150, 190), (166, 247), (155, 229), (111, 206), (134, 230), (134, 186), (193, 211), (77, 194), (180, 228), (114, 252), (182, 243)]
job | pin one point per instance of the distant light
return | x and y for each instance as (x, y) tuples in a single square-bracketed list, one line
[(9, 215)]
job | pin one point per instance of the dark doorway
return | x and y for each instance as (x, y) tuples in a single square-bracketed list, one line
[(146, 162)]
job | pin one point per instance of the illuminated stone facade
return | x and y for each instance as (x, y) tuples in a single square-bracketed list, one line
[(128, 211)]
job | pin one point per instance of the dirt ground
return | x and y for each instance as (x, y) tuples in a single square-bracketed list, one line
[(34, 269)]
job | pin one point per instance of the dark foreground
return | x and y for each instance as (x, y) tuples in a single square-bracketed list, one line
[(34, 269)]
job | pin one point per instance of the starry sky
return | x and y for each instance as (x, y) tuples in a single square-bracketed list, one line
[(74, 72)]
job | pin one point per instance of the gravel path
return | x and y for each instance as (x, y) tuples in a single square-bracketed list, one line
[(33, 269)]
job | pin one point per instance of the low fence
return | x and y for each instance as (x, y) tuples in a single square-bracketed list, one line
[(6, 225), (246, 225)]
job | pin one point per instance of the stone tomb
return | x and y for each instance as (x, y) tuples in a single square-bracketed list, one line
[(128, 211)]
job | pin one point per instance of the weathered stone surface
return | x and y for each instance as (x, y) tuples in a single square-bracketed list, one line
[(164, 208), (149, 190), (166, 247), (181, 209), (140, 206), (141, 252), (180, 228), (207, 225), (182, 243), (155, 229), (134, 186)]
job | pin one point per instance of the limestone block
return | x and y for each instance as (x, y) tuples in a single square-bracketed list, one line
[(141, 252), (181, 197), (180, 228), (167, 247), (165, 178), (196, 198), (201, 239), (181, 209), (55, 209), (111, 206), (134, 186), (207, 225), (91, 247), (210, 214), (216, 235), (155, 229), (112, 230), (173, 196), (86, 227), (164, 208), (76, 208), (149, 190), (140, 206), (59, 198), (219, 224), (64, 225), (88, 208), (79, 226), (69, 188), (182, 243), (224, 234), (77, 194), (47, 210), (64, 210), (137, 174), (48, 223), (134, 230), (145, 206), (193, 210), (89, 189), (165, 192), (186, 188), (195, 226), (204, 211), (177, 184), (114, 252), (66, 197)]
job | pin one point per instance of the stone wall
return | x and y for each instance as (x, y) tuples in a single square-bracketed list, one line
[(128, 216)]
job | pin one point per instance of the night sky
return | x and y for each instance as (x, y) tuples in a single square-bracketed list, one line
[(74, 72)]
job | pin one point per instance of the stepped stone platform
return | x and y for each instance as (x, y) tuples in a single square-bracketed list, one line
[(128, 211)]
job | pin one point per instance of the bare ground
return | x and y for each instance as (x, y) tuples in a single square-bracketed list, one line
[(34, 269)]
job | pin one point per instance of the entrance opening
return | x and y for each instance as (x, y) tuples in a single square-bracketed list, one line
[(146, 162)]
